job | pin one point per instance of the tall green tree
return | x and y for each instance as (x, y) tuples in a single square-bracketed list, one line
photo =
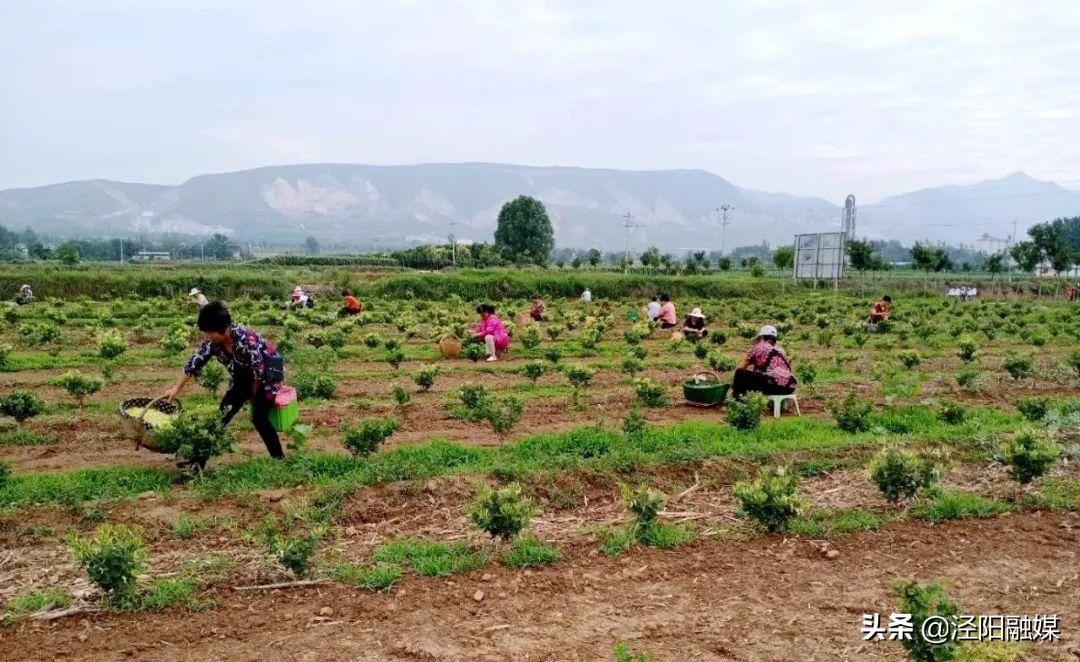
[(311, 245), (594, 257), (861, 255), (651, 257), (784, 257), (219, 247), (930, 258), (995, 264), (68, 253), (524, 232), (1026, 254)]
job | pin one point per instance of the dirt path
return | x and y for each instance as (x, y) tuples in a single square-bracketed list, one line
[(767, 599)]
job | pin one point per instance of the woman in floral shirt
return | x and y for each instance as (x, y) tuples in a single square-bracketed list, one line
[(255, 368), (765, 369)]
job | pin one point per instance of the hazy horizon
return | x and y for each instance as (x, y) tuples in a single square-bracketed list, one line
[(819, 101)]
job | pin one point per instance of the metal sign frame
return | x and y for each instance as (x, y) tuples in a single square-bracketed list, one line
[(820, 256)]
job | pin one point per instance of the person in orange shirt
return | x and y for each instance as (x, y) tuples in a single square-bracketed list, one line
[(880, 311), (352, 304)]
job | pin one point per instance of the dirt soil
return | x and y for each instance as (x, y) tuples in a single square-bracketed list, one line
[(769, 598)]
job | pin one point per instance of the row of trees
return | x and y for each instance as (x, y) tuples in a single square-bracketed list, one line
[(1056, 243)]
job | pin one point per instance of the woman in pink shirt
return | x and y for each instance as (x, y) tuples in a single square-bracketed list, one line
[(765, 369), (492, 331), (668, 319)]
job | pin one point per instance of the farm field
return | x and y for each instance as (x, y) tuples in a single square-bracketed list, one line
[(638, 535)]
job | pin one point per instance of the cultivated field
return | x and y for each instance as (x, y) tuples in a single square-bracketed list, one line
[(384, 548)]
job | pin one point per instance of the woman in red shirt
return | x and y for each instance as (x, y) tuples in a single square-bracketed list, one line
[(765, 369)]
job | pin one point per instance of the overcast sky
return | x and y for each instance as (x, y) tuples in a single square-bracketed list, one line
[(812, 98)]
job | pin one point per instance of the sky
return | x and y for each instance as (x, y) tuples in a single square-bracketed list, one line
[(809, 98)]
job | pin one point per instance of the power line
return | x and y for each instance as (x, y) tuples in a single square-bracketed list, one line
[(724, 208), (628, 222)]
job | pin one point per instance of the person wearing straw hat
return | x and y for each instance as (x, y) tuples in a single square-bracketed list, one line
[(25, 296), (198, 297), (695, 324), (765, 369)]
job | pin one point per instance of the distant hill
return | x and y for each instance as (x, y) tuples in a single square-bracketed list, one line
[(398, 205)]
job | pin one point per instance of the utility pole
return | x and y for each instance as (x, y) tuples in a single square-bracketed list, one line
[(723, 209), (453, 242), (121, 250), (628, 222)]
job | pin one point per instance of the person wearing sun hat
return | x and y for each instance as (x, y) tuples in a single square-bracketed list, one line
[(198, 297), (765, 369), (695, 324)]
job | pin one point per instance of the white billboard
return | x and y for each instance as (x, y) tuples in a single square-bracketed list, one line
[(819, 256)]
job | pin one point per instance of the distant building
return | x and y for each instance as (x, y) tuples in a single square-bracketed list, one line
[(151, 256)]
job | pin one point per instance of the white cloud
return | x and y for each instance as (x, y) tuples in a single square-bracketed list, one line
[(813, 98)]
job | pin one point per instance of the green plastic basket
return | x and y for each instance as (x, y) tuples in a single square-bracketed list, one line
[(704, 389), (283, 418)]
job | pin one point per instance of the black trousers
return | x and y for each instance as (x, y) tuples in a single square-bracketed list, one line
[(749, 380), (235, 399)]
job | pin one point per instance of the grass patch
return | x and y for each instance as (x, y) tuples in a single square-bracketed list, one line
[(430, 559), (170, 592), (585, 448), (943, 505), (376, 577), (187, 527), (1061, 493), (528, 551), (22, 606), (829, 522), (26, 438)]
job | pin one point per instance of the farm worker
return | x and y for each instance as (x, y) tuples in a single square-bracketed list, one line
[(766, 368), (255, 371), (198, 297), (352, 304), (879, 312), (695, 324), (652, 310), (1073, 293), (491, 331), (668, 318), (586, 296), (538, 309), (300, 298), (25, 295)]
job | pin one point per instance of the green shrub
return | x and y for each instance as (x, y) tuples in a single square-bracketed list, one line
[(294, 552), (372, 340), (195, 437), (501, 513), (1029, 456), (534, 370), (401, 396), (644, 503), (1019, 366), (852, 416), (113, 558), (910, 358), (111, 344), (5, 352), (771, 500), (806, 373), (78, 385), (967, 349), (631, 365), (968, 380), (553, 354), (175, 340), (528, 551), (924, 602), (476, 401), (900, 473), (1034, 409), (212, 375), (651, 394), (309, 384), (367, 438), (395, 357), (721, 362), (21, 405), (426, 376), (952, 413), (504, 414), (530, 337), (745, 414), (634, 423)]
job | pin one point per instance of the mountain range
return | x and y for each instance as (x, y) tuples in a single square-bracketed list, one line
[(383, 206)]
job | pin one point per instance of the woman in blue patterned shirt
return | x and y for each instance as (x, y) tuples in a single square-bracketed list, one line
[(255, 368)]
